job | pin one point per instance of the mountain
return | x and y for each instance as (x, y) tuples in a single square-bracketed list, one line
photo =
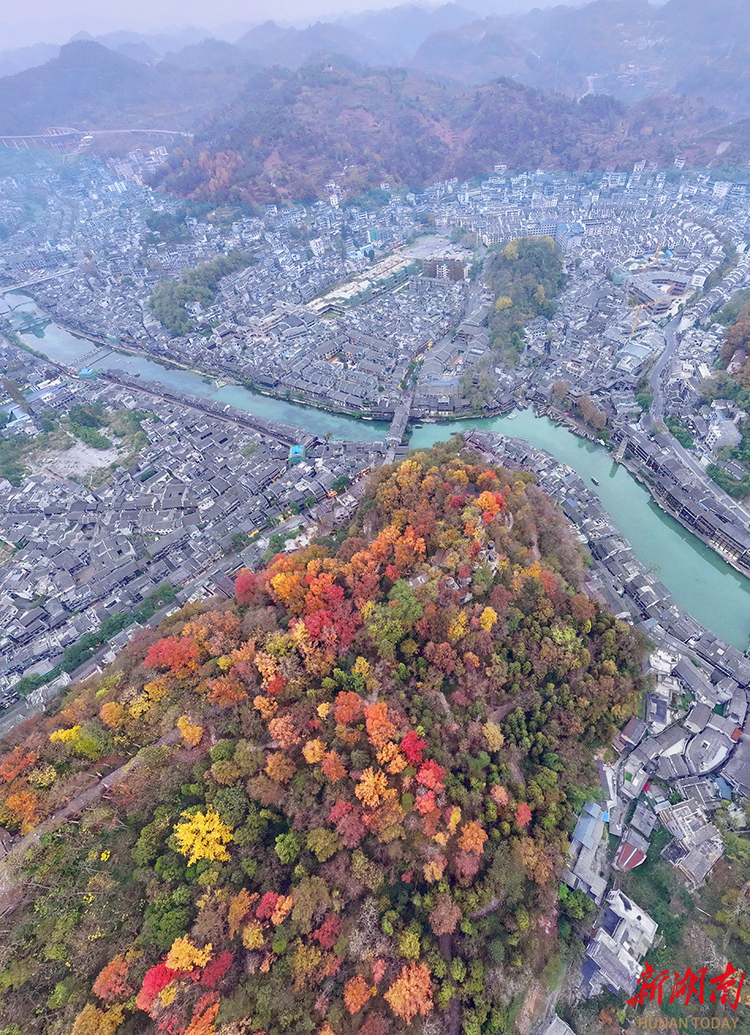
[(21, 58), (268, 44), (210, 55), (288, 133), (88, 85), (399, 31), (159, 43), (477, 52), (338, 802), (627, 48)]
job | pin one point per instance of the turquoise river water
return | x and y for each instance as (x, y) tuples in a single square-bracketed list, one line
[(696, 577)]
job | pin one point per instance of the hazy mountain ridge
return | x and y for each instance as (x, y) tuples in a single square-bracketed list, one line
[(269, 44), (628, 48), (89, 86), (273, 134)]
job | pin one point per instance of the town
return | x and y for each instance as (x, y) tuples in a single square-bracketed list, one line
[(377, 308)]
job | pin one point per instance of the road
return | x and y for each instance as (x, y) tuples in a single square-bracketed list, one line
[(655, 383)]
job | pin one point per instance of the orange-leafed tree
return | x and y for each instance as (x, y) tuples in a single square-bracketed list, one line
[(114, 715), (411, 992), (215, 632), (349, 707), (380, 729), (112, 981), (239, 907), (204, 1017), (226, 691), (332, 767), (22, 810), (472, 838), (15, 762), (356, 994), (284, 731)]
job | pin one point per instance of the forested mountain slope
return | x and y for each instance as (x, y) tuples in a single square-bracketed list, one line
[(350, 790), (289, 133)]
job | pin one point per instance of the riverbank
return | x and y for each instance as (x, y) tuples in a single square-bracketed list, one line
[(702, 583), (618, 577)]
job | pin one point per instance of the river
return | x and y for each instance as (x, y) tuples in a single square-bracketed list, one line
[(696, 577)]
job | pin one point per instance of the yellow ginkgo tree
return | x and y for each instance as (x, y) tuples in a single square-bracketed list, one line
[(203, 835)]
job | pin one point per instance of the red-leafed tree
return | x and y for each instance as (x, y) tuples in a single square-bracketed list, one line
[(413, 747), (523, 814), (180, 655), (328, 932), (216, 970), (245, 587), (267, 905), (155, 980), (431, 775)]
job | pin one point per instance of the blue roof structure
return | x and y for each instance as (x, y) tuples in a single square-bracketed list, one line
[(588, 830)]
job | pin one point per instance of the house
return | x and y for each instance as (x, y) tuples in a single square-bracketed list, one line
[(737, 769), (722, 432), (625, 934), (630, 735), (697, 862), (583, 871), (557, 1026), (697, 844), (632, 851)]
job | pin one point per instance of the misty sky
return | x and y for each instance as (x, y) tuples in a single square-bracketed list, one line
[(55, 21)]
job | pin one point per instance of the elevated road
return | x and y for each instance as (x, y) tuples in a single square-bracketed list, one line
[(66, 138)]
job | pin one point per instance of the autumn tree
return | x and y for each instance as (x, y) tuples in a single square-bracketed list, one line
[(356, 993), (444, 916), (112, 982), (178, 655), (411, 992), (203, 835)]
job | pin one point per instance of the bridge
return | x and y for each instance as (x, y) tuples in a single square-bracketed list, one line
[(66, 138), (398, 425)]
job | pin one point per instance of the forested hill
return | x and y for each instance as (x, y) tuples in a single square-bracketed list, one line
[(351, 786), (289, 133)]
